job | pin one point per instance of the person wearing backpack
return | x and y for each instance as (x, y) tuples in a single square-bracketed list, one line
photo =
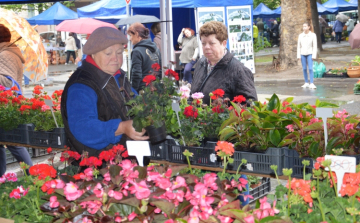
[(70, 47)]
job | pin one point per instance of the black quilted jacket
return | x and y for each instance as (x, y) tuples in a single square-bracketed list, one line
[(228, 74)]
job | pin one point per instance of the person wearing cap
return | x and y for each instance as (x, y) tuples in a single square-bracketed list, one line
[(92, 106)]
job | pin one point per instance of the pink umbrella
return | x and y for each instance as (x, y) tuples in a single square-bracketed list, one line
[(82, 26), (354, 38)]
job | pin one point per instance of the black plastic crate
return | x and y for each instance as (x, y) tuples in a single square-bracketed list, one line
[(260, 191), (294, 162), (203, 156), (261, 162), (39, 152), (330, 75), (18, 135), (54, 139), (158, 151)]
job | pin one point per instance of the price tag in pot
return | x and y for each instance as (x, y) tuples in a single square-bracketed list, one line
[(341, 165), (138, 149), (324, 113)]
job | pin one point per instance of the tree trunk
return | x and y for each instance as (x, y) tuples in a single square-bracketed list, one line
[(293, 15), (315, 23), (358, 10), (319, 1)]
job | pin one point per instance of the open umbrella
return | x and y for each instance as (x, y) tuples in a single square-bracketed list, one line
[(82, 26), (342, 18), (354, 38), (137, 18), (32, 49)]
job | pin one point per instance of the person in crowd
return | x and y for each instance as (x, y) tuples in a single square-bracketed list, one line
[(11, 73), (338, 28), (92, 107), (219, 69), (322, 29), (255, 32), (144, 54), (267, 32), (189, 52), (306, 52), (156, 30), (350, 26), (70, 48), (275, 33), (260, 26)]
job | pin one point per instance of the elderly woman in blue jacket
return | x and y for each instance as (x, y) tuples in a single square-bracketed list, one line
[(338, 28)]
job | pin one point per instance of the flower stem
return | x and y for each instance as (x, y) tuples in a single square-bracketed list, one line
[(318, 189), (225, 164), (237, 171), (288, 211), (353, 205), (277, 177), (304, 172), (333, 180), (188, 160)]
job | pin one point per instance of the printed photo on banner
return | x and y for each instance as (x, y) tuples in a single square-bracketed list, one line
[(240, 32), (211, 16)]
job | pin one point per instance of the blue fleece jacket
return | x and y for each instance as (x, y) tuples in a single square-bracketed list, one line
[(83, 118), (338, 26)]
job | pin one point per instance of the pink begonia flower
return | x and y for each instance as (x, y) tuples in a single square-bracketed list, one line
[(290, 128), (132, 216), (157, 210), (71, 191), (107, 176), (169, 221), (2, 88), (185, 95), (163, 183), (194, 216), (200, 192), (127, 165), (209, 181), (168, 173), (54, 202), (141, 190), (11, 177), (115, 194), (224, 201), (242, 184), (59, 184), (86, 220), (152, 176), (45, 108), (179, 182), (92, 206), (118, 219), (225, 219), (58, 107), (88, 174), (342, 115), (249, 219), (265, 209), (98, 190), (197, 95), (3, 178), (349, 127), (205, 213)]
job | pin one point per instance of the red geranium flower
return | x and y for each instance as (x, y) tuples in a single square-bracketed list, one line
[(16, 101), (3, 101), (191, 111), (217, 109), (149, 79), (218, 93), (171, 73), (23, 108), (14, 88), (37, 89), (42, 171), (239, 99), (49, 150), (155, 67)]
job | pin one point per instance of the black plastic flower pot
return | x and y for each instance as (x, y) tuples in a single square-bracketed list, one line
[(156, 135)]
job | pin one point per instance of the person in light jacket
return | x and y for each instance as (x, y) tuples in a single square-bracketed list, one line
[(156, 30), (70, 47), (350, 26), (338, 28), (189, 51), (306, 51)]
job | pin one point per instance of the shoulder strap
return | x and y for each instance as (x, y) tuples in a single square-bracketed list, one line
[(14, 83)]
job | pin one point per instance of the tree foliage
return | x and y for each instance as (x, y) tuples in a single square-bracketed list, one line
[(40, 7), (272, 4)]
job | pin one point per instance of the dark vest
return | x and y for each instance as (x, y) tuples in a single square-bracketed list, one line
[(110, 103)]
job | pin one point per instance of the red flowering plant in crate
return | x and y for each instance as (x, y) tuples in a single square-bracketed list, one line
[(150, 107), (130, 193), (198, 120)]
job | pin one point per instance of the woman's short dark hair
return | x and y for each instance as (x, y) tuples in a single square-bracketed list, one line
[(214, 27), (139, 28), (5, 34), (155, 28)]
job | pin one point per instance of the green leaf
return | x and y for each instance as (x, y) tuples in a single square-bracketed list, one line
[(267, 126), (270, 219), (324, 104), (274, 103), (133, 201), (114, 170), (232, 205), (234, 213), (123, 209), (289, 99), (176, 169), (255, 130), (297, 122), (275, 137), (314, 150), (285, 142), (317, 126), (142, 171), (332, 144), (164, 205)]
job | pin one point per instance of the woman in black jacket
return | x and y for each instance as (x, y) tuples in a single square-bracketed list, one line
[(144, 54), (275, 33), (219, 69)]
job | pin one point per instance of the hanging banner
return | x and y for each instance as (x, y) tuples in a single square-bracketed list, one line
[(240, 31), (207, 14)]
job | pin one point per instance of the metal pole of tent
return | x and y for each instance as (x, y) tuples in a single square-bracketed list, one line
[(169, 24), (163, 35), (128, 45), (197, 33)]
